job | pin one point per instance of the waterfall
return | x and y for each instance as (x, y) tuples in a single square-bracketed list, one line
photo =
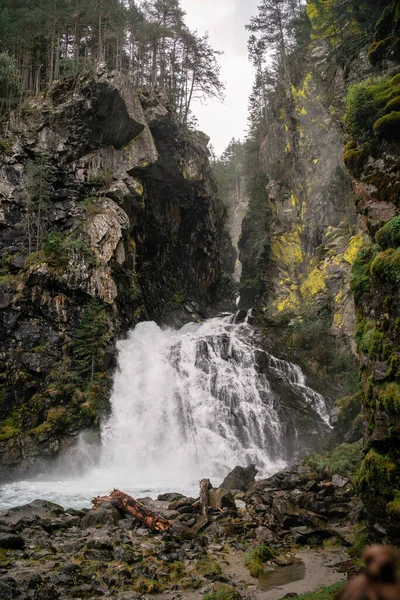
[(193, 403), (189, 404)]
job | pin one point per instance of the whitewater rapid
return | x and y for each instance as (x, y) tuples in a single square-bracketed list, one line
[(185, 405)]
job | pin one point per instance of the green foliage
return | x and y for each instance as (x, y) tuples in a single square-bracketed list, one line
[(89, 342), (386, 266), (223, 592), (343, 460), (9, 84), (256, 558), (59, 249), (389, 235)]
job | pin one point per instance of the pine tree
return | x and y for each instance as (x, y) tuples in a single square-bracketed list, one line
[(90, 340)]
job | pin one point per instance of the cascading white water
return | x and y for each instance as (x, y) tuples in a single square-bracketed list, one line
[(185, 405), (197, 398)]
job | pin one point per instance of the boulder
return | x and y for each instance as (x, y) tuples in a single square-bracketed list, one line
[(339, 481), (11, 541), (220, 498), (101, 516), (240, 478)]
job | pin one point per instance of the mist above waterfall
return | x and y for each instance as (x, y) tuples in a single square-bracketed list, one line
[(189, 404)]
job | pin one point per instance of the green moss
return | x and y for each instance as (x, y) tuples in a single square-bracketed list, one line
[(388, 126), (393, 105), (389, 396), (354, 159), (389, 235), (343, 460), (361, 539), (393, 508), (223, 592), (377, 476), (360, 277), (8, 429), (365, 118), (256, 558), (386, 266)]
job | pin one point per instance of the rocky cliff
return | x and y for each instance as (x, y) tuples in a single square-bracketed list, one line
[(372, 156), (108, 215), (310, 227)]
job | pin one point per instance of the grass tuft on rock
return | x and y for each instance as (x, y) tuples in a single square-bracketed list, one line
[(256, 558), (328, 593), (223, 592)]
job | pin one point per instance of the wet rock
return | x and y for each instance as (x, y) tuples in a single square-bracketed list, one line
[(240, 478)]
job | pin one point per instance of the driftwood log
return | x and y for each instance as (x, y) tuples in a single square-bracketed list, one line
[(135, 509)]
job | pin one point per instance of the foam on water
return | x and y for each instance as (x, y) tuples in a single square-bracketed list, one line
[(185, 405)]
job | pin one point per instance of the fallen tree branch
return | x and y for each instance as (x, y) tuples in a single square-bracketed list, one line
[(135, 509)]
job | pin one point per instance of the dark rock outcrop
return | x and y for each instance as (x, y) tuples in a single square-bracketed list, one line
[(108, 215), (240, 478)]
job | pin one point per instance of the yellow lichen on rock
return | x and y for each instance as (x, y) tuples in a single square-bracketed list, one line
[(314, 283), (287, 249), (355, 244), (290, 303)]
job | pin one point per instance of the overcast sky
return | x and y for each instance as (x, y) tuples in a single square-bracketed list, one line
[(225, 21)]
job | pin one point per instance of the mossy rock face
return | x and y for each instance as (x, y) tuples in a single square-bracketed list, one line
[(386, 266), (389, 235), (354, 159), (388, 126), (371, 111), (378, 476), (386, 44)]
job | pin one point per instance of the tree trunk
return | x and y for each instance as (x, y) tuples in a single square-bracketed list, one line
[(204, 496), (129, 505)]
